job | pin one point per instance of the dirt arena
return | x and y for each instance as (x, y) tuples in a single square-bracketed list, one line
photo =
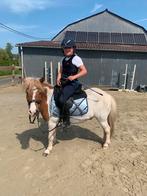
[(77, 166)]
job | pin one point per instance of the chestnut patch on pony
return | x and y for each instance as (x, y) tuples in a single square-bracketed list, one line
[(40, 99)]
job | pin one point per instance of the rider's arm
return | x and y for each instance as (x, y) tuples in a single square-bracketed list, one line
[(82, 72), (59, 76)]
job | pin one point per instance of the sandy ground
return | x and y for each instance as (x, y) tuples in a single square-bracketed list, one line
[(78, 166)]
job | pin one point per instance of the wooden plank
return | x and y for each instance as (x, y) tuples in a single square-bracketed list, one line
[(5, 68)]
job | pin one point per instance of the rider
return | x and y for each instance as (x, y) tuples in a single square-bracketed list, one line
[(71, 69)]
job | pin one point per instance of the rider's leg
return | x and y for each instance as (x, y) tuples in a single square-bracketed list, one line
[(67, 92)]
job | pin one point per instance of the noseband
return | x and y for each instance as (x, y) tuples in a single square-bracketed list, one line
[(33, 101)]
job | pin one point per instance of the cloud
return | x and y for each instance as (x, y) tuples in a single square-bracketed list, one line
[(19, 6), (141, 20), (96, 7)]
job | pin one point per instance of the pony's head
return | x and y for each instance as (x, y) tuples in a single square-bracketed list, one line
[(36, 95)]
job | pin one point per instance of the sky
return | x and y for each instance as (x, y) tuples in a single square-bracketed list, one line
[(45, 18)]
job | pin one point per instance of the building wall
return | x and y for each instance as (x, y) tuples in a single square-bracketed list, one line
[(104, 22), (34, 60), (104, 68)]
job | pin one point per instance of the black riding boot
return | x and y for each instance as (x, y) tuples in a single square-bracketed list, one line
[(66, 116)]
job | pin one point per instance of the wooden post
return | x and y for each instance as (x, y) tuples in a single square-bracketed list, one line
[(13, 75)]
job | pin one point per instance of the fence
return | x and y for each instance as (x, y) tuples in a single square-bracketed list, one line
[(13, 69)]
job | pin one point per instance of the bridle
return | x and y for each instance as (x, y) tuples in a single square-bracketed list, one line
[(36, 115)]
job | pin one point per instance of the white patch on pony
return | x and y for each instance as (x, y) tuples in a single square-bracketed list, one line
[(33, 107)]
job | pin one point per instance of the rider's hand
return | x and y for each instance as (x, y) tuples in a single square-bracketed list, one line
[(71, 78), (58, 81)]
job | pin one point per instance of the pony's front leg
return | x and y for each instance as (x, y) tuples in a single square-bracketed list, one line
[(51, 136)]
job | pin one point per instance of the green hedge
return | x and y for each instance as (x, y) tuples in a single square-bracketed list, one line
[(6, 72)]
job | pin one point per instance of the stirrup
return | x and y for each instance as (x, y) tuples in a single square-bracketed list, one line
[(66, 124)]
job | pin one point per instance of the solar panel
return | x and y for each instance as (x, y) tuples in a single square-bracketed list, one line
[(116, 38), (140, 38), (70, 35), (128, 38), (92, 37), (81, 36), (104, 37)]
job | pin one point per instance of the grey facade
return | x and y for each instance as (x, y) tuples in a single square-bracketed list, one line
[(105, 66)]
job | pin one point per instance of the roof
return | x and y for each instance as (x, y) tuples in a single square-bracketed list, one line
[(103, 46), (106, 10), (87, 46)]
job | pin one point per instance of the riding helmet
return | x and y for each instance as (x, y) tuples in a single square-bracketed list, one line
[(68, 43)]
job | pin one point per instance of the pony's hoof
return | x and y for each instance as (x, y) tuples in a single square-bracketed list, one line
[(46, 153), (105, 146)]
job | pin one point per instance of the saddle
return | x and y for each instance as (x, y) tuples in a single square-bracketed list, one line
[(77, 103)]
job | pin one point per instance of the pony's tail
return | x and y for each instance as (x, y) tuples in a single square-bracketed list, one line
[(112, 115)]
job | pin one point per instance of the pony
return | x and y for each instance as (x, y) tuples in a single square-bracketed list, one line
[(101, 105)]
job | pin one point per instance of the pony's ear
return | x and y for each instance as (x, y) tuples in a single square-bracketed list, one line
[(25, 83), (42, 79)]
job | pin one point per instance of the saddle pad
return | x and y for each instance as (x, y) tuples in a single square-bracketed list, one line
[(79, 107)]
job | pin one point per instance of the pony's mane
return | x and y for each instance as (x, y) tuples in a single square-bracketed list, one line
[(29, 83)]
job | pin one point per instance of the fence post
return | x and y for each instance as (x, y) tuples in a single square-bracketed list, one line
[(13, 75)]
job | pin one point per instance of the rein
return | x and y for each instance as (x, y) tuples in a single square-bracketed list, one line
[(87, 86), (38, 122)]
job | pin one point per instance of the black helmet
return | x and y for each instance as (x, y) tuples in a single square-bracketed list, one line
[(68, 43)]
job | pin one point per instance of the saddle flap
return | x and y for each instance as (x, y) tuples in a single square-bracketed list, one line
[(78, 107)]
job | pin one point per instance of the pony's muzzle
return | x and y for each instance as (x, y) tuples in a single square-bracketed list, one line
[(32, 113)]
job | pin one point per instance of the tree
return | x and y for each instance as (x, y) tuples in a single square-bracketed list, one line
[(4, 57), (8, 49), (7, 57)]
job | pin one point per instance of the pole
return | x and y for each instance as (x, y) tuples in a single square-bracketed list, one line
[(51, 72), (132, 82), (125, 74), (22, 62), (45, 71)]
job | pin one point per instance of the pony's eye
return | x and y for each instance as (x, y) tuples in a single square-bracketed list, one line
[(29, 102), (38, 101)]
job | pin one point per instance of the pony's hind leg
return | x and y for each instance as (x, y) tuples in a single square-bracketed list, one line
[(107, 134)]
